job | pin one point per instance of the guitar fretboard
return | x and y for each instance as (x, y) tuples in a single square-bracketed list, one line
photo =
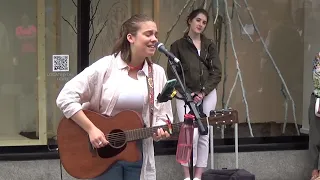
[(143, 133)]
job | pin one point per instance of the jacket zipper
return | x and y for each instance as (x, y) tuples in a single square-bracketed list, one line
[(200, 62)]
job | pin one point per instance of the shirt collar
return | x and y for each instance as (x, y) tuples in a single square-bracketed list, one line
[(121, 64)]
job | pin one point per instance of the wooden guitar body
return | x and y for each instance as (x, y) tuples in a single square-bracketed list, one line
[(82, 161)]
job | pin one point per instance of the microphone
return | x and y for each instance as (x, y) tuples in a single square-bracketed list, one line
[(163, 49)]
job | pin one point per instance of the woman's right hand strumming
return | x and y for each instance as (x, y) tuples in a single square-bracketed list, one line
[(97, 138)]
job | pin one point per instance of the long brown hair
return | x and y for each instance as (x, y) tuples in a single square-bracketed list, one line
[(194, 14), (130, 26)]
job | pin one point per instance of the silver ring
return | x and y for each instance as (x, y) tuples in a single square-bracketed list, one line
[(100, 143)]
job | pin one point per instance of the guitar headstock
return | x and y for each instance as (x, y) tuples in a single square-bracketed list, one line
[(223, 116)]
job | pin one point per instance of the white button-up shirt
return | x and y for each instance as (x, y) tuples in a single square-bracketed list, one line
[(97, 88)]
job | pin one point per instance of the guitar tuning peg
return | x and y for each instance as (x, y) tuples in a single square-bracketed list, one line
[(213, 112)]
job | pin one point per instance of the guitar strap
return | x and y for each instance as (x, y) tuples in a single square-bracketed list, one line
[(150, 90)]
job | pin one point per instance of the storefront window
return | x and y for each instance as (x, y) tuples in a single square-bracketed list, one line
[(34, 41), (105, 26), (271, 95), (38, 55), (38, 42), (19, 31), (61, 55)]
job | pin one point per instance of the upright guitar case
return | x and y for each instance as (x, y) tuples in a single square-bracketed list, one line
[(226, 174)]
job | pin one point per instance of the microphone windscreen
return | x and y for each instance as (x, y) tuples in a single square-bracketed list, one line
[(158, 44)]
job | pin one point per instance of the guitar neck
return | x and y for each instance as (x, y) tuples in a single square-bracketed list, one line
[(221, 117), (143, 133)]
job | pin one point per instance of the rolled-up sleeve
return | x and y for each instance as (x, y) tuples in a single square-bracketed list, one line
[(77, 91)]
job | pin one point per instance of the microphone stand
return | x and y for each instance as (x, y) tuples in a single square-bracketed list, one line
[(189, 101)]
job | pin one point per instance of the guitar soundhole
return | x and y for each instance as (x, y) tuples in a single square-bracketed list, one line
[(116, 138), (117, 143)]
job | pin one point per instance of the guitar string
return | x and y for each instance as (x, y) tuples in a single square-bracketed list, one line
[(149, 130), (121, 136), (117, 139), (115, 136)]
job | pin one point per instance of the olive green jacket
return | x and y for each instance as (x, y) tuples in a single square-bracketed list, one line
[(202, 73)]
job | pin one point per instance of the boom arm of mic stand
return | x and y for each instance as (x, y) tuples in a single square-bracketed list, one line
[(187, 97)]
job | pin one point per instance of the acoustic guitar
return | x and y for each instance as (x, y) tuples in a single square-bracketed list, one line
[(82, 161)]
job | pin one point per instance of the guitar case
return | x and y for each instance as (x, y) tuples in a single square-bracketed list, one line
[(227, 174)]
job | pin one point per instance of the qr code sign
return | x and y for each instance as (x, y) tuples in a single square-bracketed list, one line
[(60, 63)]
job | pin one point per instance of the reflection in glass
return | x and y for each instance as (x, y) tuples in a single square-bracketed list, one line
[(61, 43), (25, 63), (106, 18), (18, 62), (269, 87), (105, 26), (288, 27)]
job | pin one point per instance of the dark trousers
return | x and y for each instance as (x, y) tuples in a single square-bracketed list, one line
[(314, 134)]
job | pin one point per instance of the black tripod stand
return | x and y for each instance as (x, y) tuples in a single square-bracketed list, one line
[(193, 109)]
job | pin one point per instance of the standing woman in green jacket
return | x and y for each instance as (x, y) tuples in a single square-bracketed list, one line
[(202, 71)]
